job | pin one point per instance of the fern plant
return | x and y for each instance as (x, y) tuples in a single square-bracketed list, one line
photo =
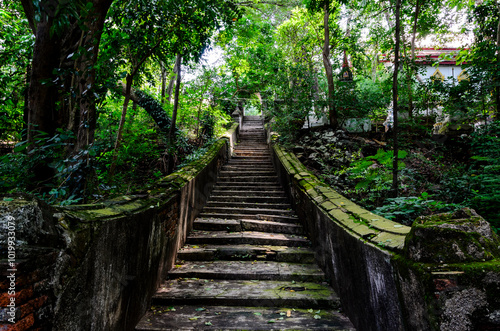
[(375, 172)]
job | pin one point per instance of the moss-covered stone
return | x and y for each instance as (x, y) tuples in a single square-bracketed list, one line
[(463, 236)]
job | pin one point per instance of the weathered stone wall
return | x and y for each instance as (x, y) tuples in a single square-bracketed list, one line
[(97, 266), (381, 288)]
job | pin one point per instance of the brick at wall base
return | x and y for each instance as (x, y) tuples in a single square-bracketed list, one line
[(22, 325)]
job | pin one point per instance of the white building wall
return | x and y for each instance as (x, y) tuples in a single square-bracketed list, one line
[(447, 71)]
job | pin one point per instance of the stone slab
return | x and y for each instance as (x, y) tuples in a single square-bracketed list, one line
[(275, 218), (259, 293), (246, 252), (248, 270), (247, 237), (269, 226), (249, 199), (244, 211), (241, 318)]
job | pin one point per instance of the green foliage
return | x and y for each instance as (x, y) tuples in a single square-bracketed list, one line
[(406, 209), (47, 154), (375, 172), (155, 110), (360, 98), (17, 45), (486, 172), (294, 99)]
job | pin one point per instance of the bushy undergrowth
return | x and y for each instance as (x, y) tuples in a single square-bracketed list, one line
[(434, 176), (485, 172), (85, 177)]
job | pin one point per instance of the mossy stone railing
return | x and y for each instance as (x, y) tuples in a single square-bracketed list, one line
[(361, 222), (367, 259), (104, 261)]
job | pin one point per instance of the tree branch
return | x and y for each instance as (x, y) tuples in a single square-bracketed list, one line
[(29, 11), (252, 3)]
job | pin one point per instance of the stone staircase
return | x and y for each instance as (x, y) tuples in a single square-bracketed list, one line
[(246, 265)]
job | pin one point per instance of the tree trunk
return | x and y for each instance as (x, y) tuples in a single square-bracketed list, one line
[(411, 72), (375, 63), (163, 82), (170, 87), (414, 32), (395, 103), (42, 97), (171, 134), (64, 101), (128, 89), (332, 112)]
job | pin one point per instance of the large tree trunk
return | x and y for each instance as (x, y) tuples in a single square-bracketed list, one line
[(395, 185), (67, 100), (60, 94), (332, 112)]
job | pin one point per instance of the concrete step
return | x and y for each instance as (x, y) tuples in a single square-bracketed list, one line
[(251, 158), (197, 317), (246, 253), (229, 225), (248, 270), (236, 167), (263, 179), (252, 163), (282, 206), (249, 165), (245, 187), (246, 238), (279, 198), (263, 217), (252, 147), (245, 293), (251, 186), (246, 211), (270, 193), (247, 173), (251, 153)]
